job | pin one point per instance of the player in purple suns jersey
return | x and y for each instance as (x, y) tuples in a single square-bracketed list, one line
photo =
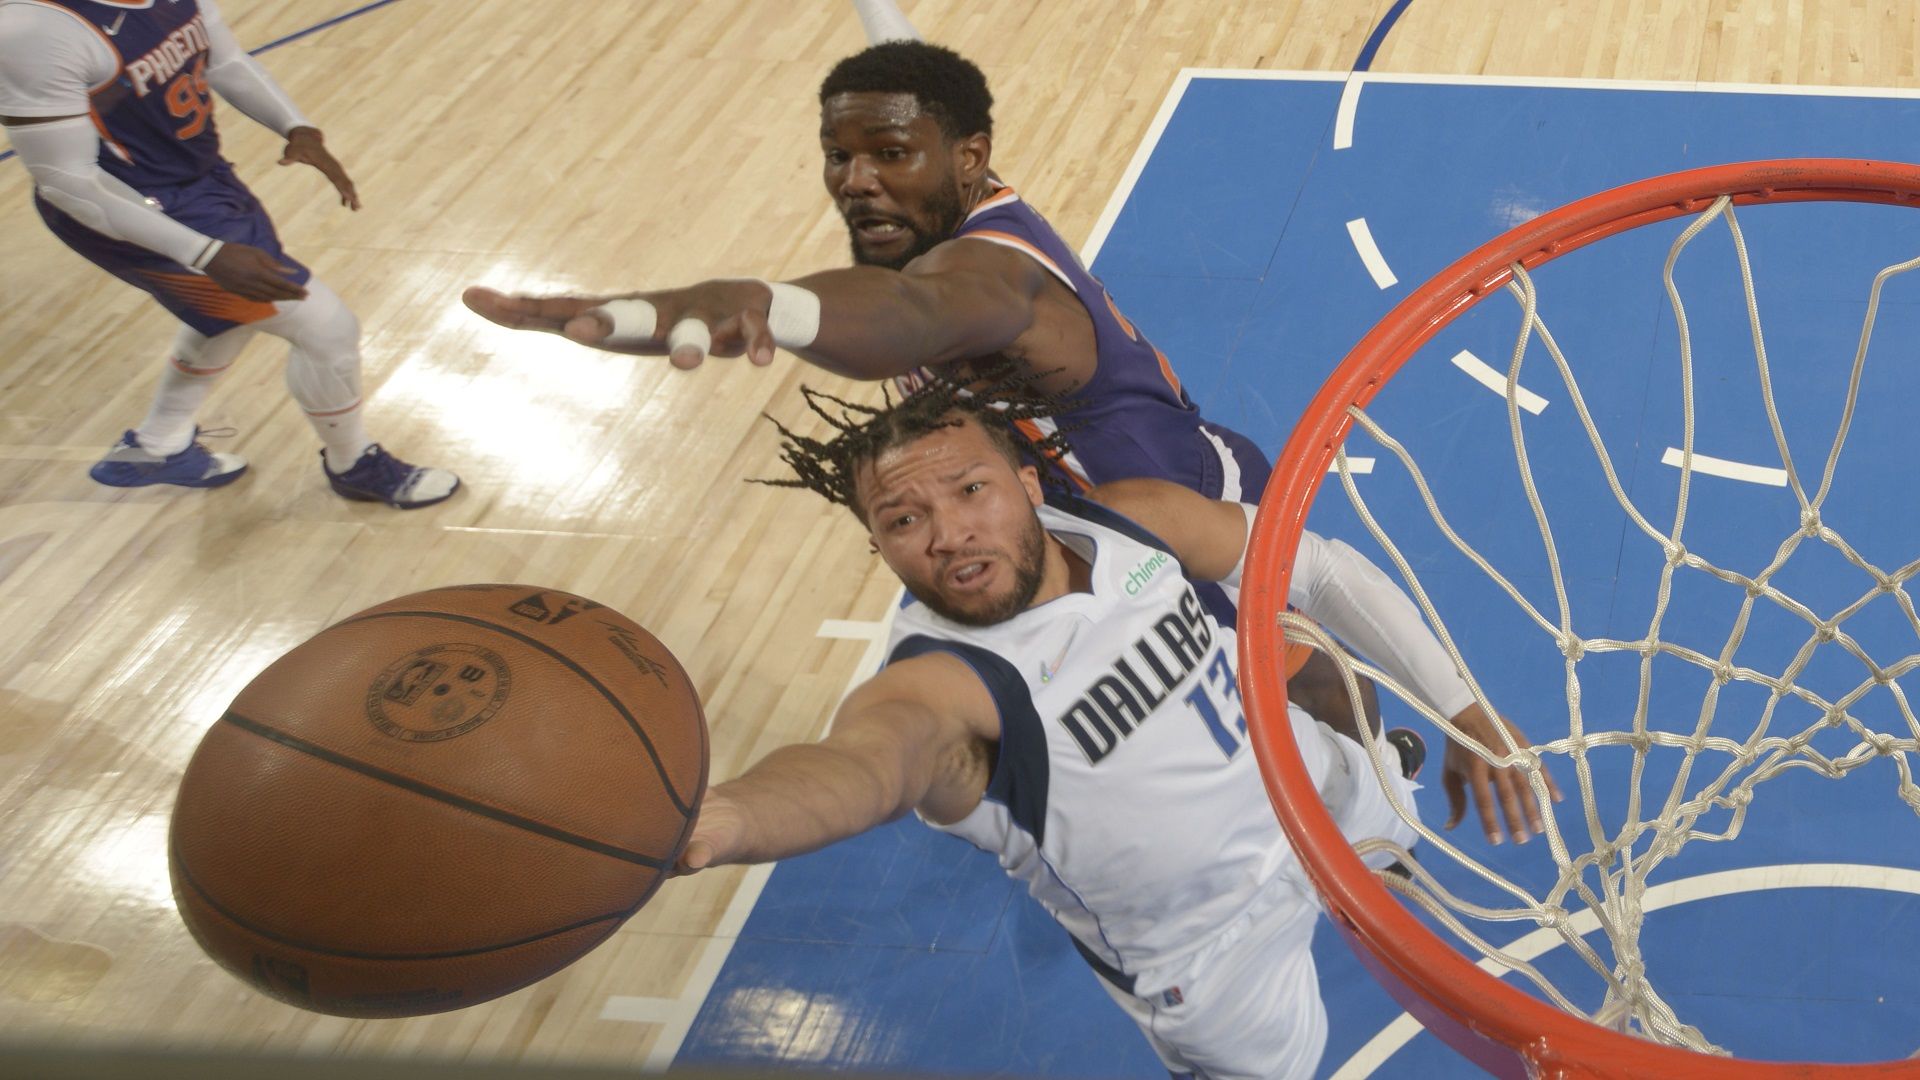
[(110, 105), (955, 272)]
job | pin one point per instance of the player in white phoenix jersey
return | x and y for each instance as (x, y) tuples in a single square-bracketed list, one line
[(1060, 697)]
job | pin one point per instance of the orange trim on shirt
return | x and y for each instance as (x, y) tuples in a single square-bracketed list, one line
[(207, 298), (1001, 197), (994, 236), (1166, 369), (1031, 429)]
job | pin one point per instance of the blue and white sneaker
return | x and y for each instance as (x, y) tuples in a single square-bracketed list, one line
[(129, 464), (380, 477)]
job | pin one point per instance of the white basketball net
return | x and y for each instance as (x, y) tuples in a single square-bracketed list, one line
[(1610, 880)]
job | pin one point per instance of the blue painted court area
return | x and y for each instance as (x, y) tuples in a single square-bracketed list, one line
[(908, 950)]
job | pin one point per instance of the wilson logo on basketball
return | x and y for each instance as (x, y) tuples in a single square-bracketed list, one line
[(439, 692)]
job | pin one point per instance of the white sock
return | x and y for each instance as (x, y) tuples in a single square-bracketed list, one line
[(323, 370), (345, 436), (168, 428), (193, 365), (883, 21)]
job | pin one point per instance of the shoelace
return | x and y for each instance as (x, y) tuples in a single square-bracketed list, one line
[(388, 471)]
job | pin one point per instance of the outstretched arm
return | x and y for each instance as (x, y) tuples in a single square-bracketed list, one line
[(904, 739), (961, 300)]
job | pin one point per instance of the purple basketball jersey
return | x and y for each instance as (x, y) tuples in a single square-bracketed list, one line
[(1134, 418), (156, 114)]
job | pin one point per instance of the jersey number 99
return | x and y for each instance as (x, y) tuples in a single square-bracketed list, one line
[(190, 99)]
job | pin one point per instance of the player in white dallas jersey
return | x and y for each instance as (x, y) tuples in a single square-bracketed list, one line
[(1060, 697)]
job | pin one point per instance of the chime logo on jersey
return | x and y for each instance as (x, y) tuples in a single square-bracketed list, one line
[(1140, 679), (1138, 577), (165, 60)]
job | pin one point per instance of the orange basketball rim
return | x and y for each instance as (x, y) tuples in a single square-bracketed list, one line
[(1504, 1030)]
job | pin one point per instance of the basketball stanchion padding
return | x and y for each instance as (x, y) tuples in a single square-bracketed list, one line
[(438, 801)]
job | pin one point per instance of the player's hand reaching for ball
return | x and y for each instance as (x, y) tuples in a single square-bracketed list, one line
[(714, 318), (306, 146), (252, 274), (1497, 792), (716, 835)]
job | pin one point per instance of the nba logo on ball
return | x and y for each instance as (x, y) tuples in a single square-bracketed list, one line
[(437, 801), (439, 692)]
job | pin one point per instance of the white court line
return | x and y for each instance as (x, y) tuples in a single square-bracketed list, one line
[(677, 1014), (1118, 200), (641, 1010), (1349, 104), (1484, 374), (1370, 253), (706, 969), (1670, 894), (1731, 470), (852, 629), (1551, 83)]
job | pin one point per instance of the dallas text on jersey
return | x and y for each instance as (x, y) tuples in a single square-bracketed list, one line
[(1122, 699)]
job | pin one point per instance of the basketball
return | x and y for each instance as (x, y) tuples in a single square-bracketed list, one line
[(438, 800)]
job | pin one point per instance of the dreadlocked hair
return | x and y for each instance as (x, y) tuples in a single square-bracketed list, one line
[(998, 400)]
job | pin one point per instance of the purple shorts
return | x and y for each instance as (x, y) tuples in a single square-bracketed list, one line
[(216, 204)]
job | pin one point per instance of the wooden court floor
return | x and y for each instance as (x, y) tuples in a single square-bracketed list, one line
[(566, 145)]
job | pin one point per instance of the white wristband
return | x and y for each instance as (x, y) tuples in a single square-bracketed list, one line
[(794, 315), (206, 254), (1232, 580)]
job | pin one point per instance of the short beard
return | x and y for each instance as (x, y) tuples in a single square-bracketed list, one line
[(942, 209), (1028, 565)]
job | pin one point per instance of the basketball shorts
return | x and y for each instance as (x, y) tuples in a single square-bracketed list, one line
[(216, 204), (1247, 1005)]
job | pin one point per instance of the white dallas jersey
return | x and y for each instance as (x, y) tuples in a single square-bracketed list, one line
[(1125, 794)]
